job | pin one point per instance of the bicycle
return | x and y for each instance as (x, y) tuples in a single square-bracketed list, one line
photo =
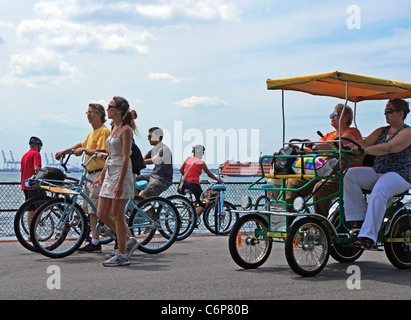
[(59, 226), (217, 215), (21, 226)]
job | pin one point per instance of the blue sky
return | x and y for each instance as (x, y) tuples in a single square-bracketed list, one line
[(195, 68)]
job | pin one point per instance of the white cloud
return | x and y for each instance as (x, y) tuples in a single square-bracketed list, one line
[(201, 102), (61, 34), (55, 120), (166, 77), (40, 68), (205, 10)]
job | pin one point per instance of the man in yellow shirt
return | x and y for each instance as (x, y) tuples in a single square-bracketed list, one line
[(95, 141)]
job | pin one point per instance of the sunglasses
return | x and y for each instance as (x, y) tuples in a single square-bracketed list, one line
[(110, 106), (389, 111), (334, 114)]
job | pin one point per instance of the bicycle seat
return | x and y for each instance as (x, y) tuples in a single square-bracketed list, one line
[(267, 186), (140, 185), (218, 187)]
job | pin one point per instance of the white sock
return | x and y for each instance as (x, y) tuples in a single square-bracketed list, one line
[(95, 242)]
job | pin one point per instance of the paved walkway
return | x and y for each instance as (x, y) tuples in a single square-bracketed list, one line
[(198, 268)]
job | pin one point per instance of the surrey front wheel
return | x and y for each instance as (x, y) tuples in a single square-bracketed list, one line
[(247, 248), (58, 228), (307, 247)]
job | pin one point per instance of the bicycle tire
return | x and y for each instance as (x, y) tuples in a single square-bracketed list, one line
[(161, 234), (64, 239), (21, 227), (187, 213), (228, 217), (339, 251), (262, 201), (307, 247), (246, 249), (399, 253)]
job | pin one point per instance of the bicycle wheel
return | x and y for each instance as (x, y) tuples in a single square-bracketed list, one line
[(343, 252), (307, 247), (21, 225), (58, 228), (225, 219), (261, 203), (187, 213), (159, 231), (399, 253), (248, 250)]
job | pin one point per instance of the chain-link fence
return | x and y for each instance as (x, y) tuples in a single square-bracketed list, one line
[(11, 197)]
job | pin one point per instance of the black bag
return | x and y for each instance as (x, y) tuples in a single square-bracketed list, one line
[(49, 173), (284, 165), (137, 160)]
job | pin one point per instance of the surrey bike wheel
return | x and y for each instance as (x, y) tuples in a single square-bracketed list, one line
[(58, 228), (247, 249), (307, 247), (187, 213), (21, 224), (219, 222), (158, 232), (343, 252), (399, 253)]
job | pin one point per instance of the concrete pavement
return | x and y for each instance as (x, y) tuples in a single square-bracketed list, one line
[(198, 268)]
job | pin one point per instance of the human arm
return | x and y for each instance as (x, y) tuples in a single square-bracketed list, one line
[(400, 142), (209, 173), (67, 151)]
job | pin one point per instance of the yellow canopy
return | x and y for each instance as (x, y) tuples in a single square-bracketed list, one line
[(333, 84)]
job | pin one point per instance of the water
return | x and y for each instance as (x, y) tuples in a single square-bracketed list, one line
[(15, 177), (15, 196)]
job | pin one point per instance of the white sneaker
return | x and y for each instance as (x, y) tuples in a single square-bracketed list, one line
[(131, 245), (116, 261)]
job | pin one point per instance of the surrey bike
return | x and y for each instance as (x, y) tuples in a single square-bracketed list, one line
[(60, 226), (310, 238)]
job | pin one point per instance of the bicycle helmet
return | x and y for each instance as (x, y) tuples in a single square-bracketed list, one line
[(35, 140)]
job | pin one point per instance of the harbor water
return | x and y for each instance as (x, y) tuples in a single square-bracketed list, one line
[(11, 196)]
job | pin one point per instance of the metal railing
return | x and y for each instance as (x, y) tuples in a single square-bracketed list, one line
[(11, 197)]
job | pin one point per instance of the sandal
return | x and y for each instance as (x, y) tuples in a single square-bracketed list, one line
[(364, 243)]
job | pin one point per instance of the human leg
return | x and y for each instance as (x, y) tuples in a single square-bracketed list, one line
[(387, 186), (357, 179)]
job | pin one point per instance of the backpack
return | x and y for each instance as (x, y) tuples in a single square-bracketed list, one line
[(137, 161)]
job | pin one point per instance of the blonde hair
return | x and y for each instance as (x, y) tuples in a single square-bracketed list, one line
[(348, 111)]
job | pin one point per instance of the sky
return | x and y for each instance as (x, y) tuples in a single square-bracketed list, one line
[(196, 68)]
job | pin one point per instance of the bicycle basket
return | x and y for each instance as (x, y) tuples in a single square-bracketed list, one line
[(209, 195)]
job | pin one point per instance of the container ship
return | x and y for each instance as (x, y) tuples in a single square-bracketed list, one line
[(245, 169)]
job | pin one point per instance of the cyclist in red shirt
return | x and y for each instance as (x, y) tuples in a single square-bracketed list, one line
[(30, 164)]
